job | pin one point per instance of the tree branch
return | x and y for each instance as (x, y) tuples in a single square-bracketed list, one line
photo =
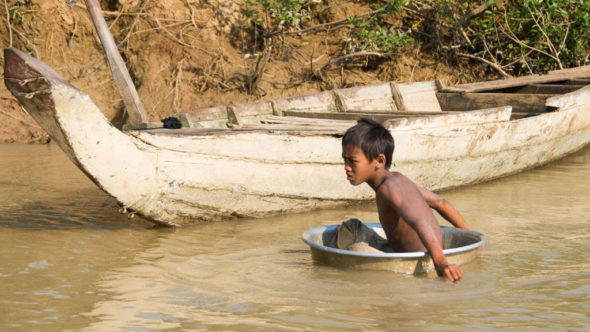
[(493, 65), (8, 21), (352, 55)]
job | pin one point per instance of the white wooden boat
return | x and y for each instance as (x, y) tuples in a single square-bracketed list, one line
[(459, 247), (283, 155)]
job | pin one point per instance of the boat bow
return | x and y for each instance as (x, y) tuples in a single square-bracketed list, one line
[(118, 163)]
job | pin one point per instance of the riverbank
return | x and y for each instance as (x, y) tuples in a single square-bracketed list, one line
[(185, 55)]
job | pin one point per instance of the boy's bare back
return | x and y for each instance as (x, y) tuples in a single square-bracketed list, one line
[(399, 198)]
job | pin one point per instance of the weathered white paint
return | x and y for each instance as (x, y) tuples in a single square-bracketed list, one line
[(121, 165), (490, 115), (418, 96), (318, 149), (376, 97), (318, 102)]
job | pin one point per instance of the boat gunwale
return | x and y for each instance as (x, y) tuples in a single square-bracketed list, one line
[(564, 114), (328, 131)]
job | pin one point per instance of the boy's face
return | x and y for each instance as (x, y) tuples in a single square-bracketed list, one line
[(357, 166)]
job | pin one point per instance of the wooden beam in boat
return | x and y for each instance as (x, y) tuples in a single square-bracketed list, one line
[(133, 104), (369, 97), (528, 103), (218, 132), (554, 76), (550, 89), (293, 128), (236, 113), (578, 81), (520, 115), (357, 115), (192, 119), (184, 131), (417, 96), (583, 71), (306, 121)]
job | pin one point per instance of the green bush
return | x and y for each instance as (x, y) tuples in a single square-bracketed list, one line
[(369, 35), (366, 33), (283, 14), (521, 37), (513, 37), (288, 13)]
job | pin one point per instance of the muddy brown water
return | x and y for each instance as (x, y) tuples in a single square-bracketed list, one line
[(70, 261)]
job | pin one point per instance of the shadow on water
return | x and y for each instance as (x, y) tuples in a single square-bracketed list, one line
[(41, 189), (42, 216), (76, 213)]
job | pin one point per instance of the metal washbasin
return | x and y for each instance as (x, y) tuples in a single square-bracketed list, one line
[(459, 246)]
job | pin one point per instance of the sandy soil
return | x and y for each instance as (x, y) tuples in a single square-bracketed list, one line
[(187, 54)]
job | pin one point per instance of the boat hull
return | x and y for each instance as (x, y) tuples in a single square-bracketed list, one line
[(179, 177)]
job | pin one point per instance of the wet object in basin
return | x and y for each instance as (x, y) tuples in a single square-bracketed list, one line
[(459, 246)]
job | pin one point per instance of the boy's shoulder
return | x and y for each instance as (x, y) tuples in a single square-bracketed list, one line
[(390, 182), (395, 178), (397, 190), (395, 182)]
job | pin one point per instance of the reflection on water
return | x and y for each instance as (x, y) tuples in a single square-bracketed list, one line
[(70, 261)]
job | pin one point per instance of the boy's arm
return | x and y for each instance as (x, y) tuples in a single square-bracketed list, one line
[(444, 208), (413, 213)]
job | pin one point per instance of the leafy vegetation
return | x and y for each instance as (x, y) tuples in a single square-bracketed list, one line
[(519, 37), (367, 32), (511, 37), (19, 14)]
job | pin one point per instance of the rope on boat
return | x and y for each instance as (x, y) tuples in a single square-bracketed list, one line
[(30, 95), (22, 82)]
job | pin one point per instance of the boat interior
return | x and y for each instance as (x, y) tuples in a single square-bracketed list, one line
[(336, 110)]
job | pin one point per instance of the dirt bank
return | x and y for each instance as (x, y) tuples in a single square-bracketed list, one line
[(186, 54)]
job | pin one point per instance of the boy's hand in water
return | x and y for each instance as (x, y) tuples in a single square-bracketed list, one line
[(451, 271)]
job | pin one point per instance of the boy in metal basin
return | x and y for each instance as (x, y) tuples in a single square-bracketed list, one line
[(404, 207)]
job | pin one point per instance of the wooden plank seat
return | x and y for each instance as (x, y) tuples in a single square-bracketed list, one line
[(417, 121), (306, 121), (337, 121), (549, 89), (353, 116), (263, 128), (578, 81), (299, 123), (521, 103), (553, 76)]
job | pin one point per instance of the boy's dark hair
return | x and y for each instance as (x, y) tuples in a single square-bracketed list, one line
[(372, 138)]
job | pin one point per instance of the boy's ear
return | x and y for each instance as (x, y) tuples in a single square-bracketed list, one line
[(381, 160)]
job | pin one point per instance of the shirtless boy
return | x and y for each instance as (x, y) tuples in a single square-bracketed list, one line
[(404, 207)]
